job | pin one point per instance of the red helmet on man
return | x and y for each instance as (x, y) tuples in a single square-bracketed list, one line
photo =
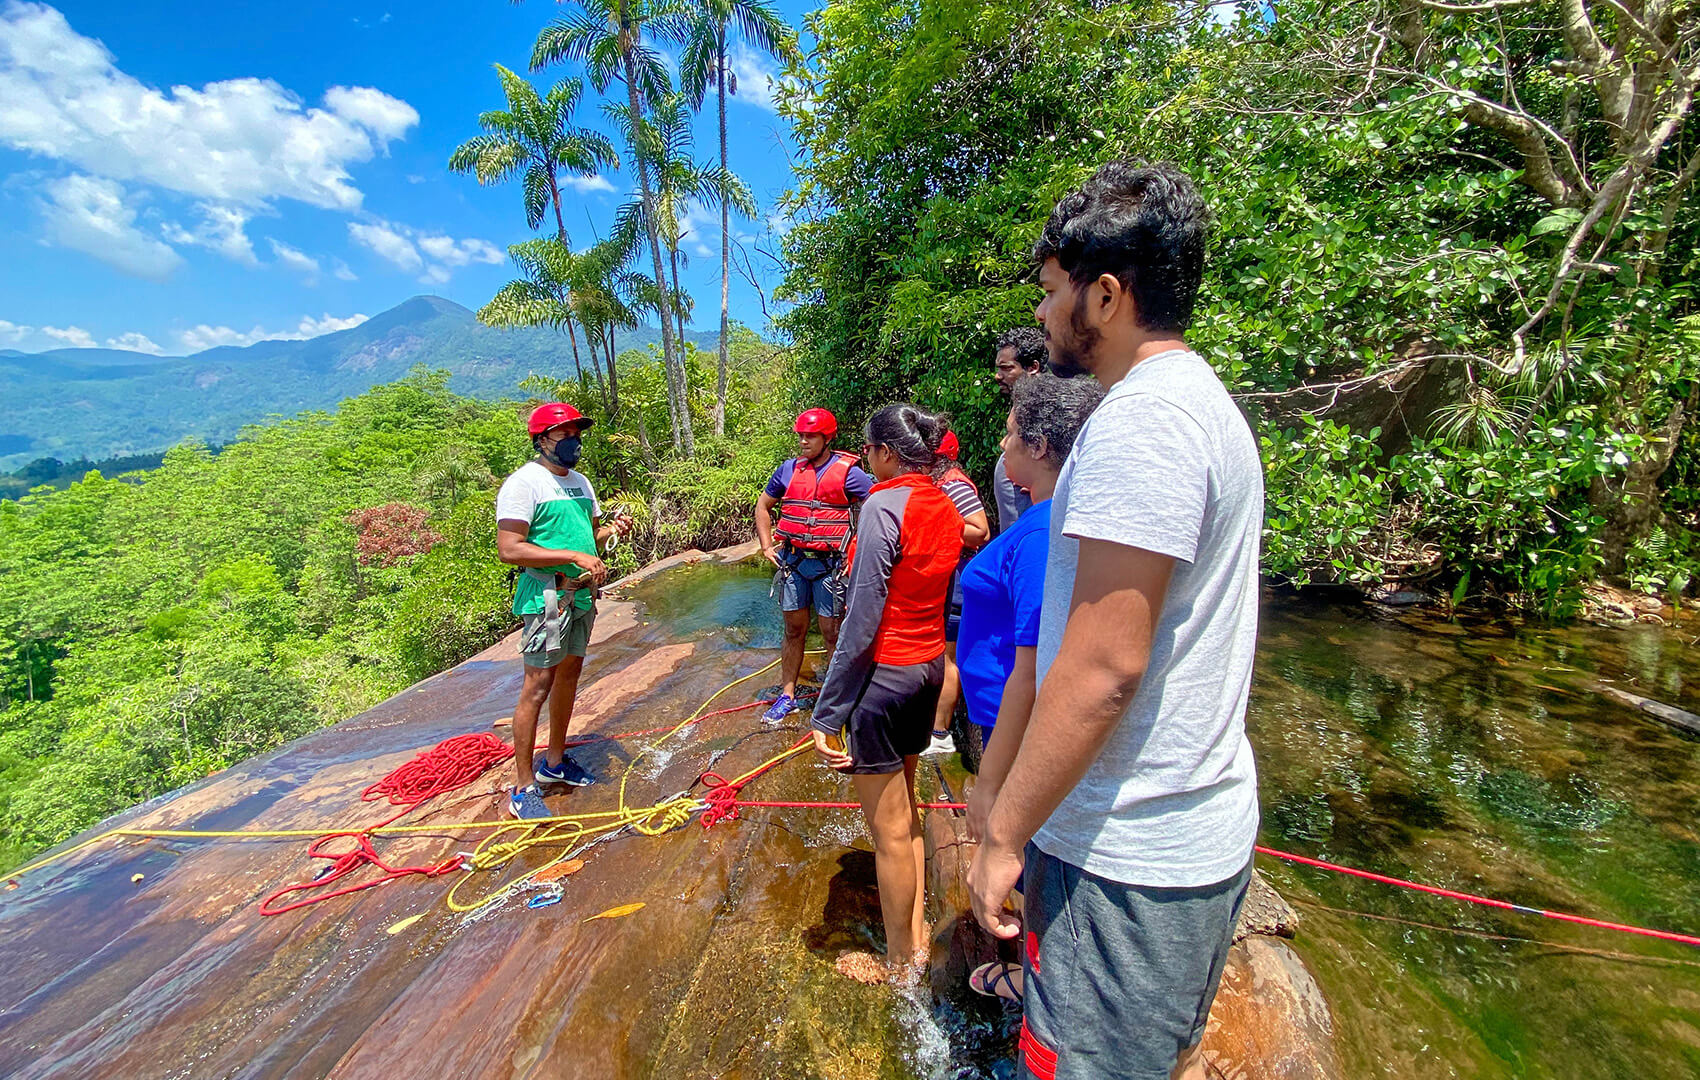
[(817, 422), (554, 414), (949, 447)]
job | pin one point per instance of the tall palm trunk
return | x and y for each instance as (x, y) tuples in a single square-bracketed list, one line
[(683, 437), (725, 245), (679, 308), (572, 335)]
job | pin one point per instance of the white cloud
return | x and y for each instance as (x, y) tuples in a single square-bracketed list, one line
[(429, 256), (221, 229), (343, 273), (244, 141), (89, 214), (294, 258), (387, 243), (204, 336), (12, 333), (72, 337), (699, 227), (758, 79), (135, 342), (585, 185), (452, 252)]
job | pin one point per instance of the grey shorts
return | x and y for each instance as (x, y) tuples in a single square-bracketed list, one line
[(1119, 979), (807, 582), (575, 638)]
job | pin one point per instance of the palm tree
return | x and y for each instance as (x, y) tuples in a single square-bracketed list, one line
[(608, 37), (545, 296), (679, 180), (535, 137), (704, 62)]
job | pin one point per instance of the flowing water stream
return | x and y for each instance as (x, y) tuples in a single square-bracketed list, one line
[(1472, 755)]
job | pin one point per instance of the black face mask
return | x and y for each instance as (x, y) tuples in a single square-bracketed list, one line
[(565, 453)]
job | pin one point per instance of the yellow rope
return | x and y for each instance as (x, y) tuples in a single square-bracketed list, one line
[(510, 840)]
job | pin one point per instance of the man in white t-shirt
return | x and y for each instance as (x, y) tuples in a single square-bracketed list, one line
[(549, 524), (1132, 801)]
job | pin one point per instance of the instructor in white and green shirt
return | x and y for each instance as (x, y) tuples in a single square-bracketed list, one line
[(549, 524)]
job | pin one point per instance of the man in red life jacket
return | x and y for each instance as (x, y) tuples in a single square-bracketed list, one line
[(814, 492)]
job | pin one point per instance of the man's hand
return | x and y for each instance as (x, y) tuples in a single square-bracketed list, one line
[(836, 759), (622, 524), (980, 800), (771, 554), (593, 567), (991, 877)]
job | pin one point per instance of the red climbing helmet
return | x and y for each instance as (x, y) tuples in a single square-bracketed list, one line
[(555, 414), (817, 422), (949, 447)]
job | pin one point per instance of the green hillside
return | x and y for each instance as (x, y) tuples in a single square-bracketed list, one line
[(70, 403)]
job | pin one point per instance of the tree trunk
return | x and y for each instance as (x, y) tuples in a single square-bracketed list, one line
[(683, 438), (1633, 508), (613, 375), (725, 249)]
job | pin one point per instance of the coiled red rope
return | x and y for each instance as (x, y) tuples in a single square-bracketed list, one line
[(449, 766)]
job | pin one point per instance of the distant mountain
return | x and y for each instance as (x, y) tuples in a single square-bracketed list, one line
[(70, 403)]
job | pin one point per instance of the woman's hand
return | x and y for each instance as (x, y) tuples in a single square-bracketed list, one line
[(834, 758)]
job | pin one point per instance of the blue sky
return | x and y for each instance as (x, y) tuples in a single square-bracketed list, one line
[(178, 175)]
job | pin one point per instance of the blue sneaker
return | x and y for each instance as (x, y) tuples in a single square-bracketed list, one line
[(525, 803), (784, 705), (567, 772)]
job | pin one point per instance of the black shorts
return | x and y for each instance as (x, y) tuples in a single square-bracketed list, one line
[(893, 716)]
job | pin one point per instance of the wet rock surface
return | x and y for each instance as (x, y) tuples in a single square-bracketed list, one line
[(729, 969)]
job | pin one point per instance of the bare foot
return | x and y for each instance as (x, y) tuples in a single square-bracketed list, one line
[(864, 967)]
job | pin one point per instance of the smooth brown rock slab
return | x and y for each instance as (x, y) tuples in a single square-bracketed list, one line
[(1270, 1020)]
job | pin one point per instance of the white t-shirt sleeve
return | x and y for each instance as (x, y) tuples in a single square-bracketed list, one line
[(1141, 477), (517, 500)]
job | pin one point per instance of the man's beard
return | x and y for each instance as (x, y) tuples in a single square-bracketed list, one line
[(1072, 357)]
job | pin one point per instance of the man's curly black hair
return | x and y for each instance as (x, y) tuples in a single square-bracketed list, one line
[(1029, 345), (1144, 224)]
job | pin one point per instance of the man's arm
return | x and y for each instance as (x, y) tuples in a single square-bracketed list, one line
[(513, 548), (764, 526), (1118, 598), (1015, 708)]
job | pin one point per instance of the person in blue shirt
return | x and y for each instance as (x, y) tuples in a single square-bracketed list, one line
[(1003, 589)]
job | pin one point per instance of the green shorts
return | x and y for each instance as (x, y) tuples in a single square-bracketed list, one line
[(575, 637)]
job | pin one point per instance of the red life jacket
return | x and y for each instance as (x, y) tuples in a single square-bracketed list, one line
[(814, 515)]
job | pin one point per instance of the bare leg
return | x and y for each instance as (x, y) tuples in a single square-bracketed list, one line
[(561, 700), (791, 653), (891, 821), (918, 841), (829, 633), (532, 695), (949, 691)]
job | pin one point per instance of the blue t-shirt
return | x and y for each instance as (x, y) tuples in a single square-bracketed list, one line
[(857, 483), (1003, 590)]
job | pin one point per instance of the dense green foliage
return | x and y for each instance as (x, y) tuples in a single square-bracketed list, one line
[(158, 629), (1367, 223), (161, 625)]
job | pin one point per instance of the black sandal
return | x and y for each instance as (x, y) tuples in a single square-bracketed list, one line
[(988, 987)]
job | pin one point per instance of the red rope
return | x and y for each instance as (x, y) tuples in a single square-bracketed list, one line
[(1452, 894), (449, 766), (734, 804)]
